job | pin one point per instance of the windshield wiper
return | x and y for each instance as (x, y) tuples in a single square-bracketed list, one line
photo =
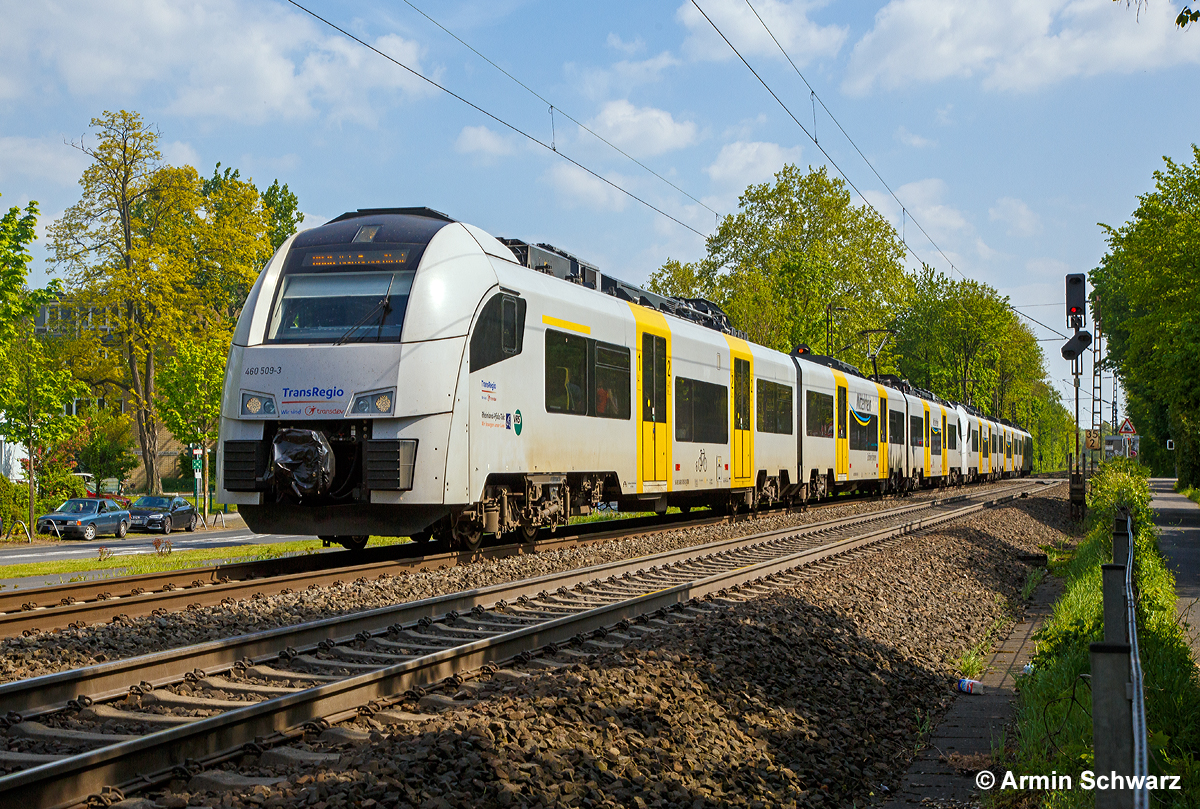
[(385, 304)]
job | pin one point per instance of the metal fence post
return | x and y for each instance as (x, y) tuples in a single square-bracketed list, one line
[(1112, 721), (1116, 629)]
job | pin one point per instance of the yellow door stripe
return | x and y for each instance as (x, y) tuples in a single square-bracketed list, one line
[(566, 324)]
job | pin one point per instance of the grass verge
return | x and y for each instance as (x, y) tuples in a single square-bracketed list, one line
[(109, 560), (1054, 724)]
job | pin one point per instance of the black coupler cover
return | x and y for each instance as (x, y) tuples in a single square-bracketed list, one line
[(303, 465)]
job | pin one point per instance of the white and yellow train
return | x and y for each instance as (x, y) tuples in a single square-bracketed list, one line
[(395, 372)]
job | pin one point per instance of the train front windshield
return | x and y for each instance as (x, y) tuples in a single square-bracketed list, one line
[(346, 307)]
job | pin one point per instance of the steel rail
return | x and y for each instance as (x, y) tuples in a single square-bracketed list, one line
[(82, 603), (124, 587), (51, 692), (159, 754)]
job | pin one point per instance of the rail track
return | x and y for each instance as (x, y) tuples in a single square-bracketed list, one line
[(79, 604), (109, 729)]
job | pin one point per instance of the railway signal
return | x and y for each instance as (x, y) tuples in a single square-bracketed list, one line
[(1076, 345), (1076, 298)]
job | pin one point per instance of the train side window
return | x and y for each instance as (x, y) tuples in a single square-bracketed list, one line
[(612, 382), (916, 434), (864, 433), (896, 426), (883, 422), (819, 416), (566, 373), (741, 394), (701, 412), (952, 437), (935, 440), (974, 441), (499, 333), (843, 405), (774, 403)]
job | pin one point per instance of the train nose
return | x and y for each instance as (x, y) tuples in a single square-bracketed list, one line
[(303, 465)]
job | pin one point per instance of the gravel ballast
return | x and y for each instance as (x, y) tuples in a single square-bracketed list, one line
[(49, 652), (814, 695)]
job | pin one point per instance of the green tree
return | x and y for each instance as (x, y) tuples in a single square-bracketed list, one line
[(121, 245), (190, 394), (34, 391), (107, 449), (795, 247), (283, 208), (17, 301), (1148, 285)]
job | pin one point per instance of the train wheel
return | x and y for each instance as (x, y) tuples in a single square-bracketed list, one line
[(529, 533), (352, 543), (467, 536)]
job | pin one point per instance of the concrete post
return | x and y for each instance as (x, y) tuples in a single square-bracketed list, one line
[(1120, 540), (1112, 720), (1115, 608)]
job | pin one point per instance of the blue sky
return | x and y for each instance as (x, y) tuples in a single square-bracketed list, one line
[(1008, 130)]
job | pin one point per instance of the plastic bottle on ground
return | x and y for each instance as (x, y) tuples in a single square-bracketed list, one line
[(969, 686)]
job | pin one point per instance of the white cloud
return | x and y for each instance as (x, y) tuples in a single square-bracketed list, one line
[(741, 163), (943, 115), (642, 130), (223, 59), (1016, 214), (912, 139), (622, 76), (629, 48), (482, 141), (1014, 46), (178, 153), (803, 39), (577, 188), (49, 158), (923, 200)]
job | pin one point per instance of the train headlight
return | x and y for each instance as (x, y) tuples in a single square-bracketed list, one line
[(258, 405), (373, 403)]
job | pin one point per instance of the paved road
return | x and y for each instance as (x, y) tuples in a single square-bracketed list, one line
[(1178, 521)]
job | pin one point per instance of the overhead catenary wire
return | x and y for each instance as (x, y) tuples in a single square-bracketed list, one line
[(905, 214), (495, 118), (559, 110)]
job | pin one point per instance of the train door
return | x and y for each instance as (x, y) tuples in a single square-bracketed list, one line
[(741, 374), (883, 433), (842, 429), (928, 459), (654, 433), (742, 461), (945, 444)]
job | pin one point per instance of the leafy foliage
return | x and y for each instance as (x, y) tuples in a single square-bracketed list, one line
[(795, 247), (107, 447), (1054, 728), (799, 257), (283, 211), (1148, 291)]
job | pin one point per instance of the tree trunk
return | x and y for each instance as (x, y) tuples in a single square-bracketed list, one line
[(29, 479)]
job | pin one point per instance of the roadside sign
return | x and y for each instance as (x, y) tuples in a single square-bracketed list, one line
[(196, 465), (1133, 446), (1092, 439), (1127, 428), (197, 473)]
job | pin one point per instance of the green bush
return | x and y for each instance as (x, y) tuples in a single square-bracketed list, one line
[(11, 506), (1054, 724)]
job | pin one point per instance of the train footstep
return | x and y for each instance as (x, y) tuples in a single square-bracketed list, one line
[(224, 781)]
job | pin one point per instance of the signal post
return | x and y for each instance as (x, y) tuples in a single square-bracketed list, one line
[(1073, 351)]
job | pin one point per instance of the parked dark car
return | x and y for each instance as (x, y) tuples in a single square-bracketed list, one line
[(163, 513), (86, 518)]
